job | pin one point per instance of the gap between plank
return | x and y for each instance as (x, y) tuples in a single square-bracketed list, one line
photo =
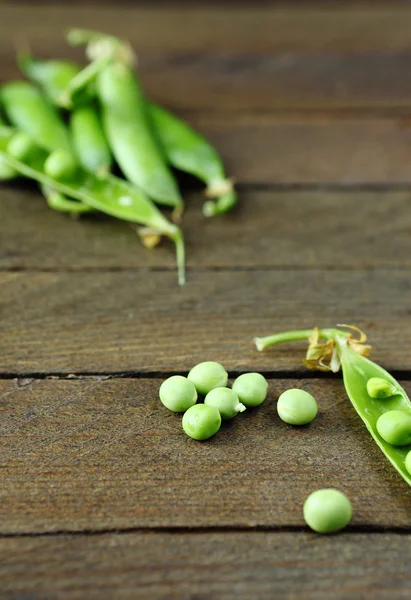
[(201, 269), (105, 375), (179, 530)]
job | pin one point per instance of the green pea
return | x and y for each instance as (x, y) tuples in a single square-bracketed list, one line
[(177, 393), (296, 407), (201, 422), (380, 388), (22, 146), (60, 165), (6, 172), (408, 462), (327, 511), (394, 426), (208, 375), (251, 388), (225, 401)]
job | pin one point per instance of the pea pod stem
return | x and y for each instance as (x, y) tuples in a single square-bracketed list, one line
[(292, 336), (58, 202), (80, 81), (53, 76)]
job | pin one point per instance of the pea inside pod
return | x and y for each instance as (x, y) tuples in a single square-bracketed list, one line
[(342, 350)]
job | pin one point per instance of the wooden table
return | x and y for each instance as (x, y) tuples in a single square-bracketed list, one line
[(101, 494)]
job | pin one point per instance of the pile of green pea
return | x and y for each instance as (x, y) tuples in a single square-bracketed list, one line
[(209, 379), (325, 510)]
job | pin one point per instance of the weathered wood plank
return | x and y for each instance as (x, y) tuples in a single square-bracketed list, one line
[(242, 59), (306, 150), (97, 455), (213, 28), (143, 322), (289, 229), (207, 566)]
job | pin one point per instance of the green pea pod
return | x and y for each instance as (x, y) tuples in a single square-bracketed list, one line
[(110, 195), (6, 172), (89, 140), (126, 119), (29, 111), (129, 133), (357, 370), (341, 350), (187, 150), (53, 76)]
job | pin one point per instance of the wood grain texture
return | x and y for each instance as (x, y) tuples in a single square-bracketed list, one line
[(97, 455), (143, 322), (268, 229), (316, 149), (207, 566), (265, 58)]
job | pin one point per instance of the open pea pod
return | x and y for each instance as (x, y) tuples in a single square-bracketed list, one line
[(107, 194), (357, 371), (341, 350)]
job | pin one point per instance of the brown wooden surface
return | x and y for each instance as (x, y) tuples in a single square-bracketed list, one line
[(261, 58), (350, 229), (98, 455), (207, 565), (101, 494), (141, 321)]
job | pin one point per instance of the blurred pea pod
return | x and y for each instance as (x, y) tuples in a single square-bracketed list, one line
[(110, 195), (187, 150), (90, 145), (28, 110), (53, 76), (125, 116), (128, 130), (6, 172)]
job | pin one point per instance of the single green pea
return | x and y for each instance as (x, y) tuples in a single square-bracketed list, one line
[(22, 146), (6, 172), (380, 388), (60, 165), (251, 388), (208, 375), (296, 407), (408, 462), (177, 393), (394, 426), (225, 401), (327, 511), (201, 422)]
